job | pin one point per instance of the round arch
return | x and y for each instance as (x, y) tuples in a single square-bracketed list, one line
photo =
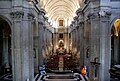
[(113, 20), (5, 45), (115, 41), (7, 20)]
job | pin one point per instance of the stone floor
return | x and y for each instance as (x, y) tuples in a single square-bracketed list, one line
[(6, 77), (54, 77), (114, 79), (62, 77)]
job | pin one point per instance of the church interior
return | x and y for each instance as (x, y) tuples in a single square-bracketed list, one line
[(59, 40)]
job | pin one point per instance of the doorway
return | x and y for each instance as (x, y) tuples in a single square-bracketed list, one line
[(5, 50)]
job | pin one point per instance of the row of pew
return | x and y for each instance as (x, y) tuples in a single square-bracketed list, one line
[(68, 63)]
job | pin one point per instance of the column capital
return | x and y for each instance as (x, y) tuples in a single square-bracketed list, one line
[(80, 22), (99, 14), (79, 12), (17, 14), (42, 11), (93, 15), (30, 16), (104, 13), (41, 22)]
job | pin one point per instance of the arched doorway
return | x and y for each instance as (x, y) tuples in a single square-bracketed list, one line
[(5, 49), (115, 43), (61, 44)]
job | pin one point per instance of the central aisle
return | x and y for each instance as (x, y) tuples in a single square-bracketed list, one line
[(60, 77), (63, 77)]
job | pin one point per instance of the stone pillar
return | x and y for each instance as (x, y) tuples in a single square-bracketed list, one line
[(41, 24), (100, 47), (76, 40), (68, 45), (71, 47), (44, 43), (73, 42), (56, 38), (105, 47), (66, 39), (30, 44), (35, 49), (81, 32), (40, 43), (94, 44), (80, 24), (22, 46)]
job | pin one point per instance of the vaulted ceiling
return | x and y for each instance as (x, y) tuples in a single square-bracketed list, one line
[(60, 9), (116, 27)]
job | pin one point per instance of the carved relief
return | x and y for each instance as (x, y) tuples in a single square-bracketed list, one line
[(93, 15), (41, 23), (17, 14), (79, 12), (104, 13), (99, 14), (30, 16)]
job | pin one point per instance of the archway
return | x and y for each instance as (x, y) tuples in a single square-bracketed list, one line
[(5, 49), (115, 43), (61, 44)]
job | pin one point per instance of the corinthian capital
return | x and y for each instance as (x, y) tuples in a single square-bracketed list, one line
[(104, 13), (17, 14), (31, 16)]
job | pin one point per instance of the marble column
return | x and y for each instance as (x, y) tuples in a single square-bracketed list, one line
[(22, 46), (40, 43), (81, 43), (30, 45), (41, 25), (35, 49), (80, 25), (100, 47), (105, 48), (72, 39), (94, 45)]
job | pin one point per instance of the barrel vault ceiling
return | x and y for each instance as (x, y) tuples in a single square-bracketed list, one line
[(60, 9)]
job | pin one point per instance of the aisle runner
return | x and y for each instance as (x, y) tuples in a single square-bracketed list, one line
[(61, 64)]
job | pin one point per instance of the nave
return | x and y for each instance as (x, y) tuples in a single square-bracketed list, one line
[(74, 36)]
